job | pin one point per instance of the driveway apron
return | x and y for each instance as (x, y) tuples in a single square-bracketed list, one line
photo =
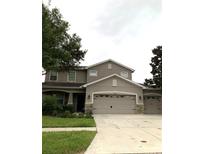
[(126, 134)]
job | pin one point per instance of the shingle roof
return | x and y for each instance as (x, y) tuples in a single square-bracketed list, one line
[(62, 84), (96, 81), (74, 67), (108, 60)]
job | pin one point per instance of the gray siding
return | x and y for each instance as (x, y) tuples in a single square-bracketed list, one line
[(103, 71), (106, 85), (81, 76)]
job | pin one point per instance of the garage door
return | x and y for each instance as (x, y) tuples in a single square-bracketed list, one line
[(114, 104), (152, 105)]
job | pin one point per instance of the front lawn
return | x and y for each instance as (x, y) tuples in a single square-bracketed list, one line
[(51, 122), (66, 142)]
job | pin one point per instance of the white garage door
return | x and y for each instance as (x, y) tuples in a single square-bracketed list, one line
[(114, 104)]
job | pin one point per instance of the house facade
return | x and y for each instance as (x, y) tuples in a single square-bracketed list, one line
[(102, 88)]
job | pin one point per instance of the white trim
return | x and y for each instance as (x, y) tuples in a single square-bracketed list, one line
[(68, 76), (115, 92), (96, 81), (50, 76), (113, 62)]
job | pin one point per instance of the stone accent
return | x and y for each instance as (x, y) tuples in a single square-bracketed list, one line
[(88, 108), (140, 108)]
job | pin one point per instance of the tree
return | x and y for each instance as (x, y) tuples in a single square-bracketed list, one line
[(156, 64), (60, 49)]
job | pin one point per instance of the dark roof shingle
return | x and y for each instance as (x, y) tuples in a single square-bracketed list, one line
[(62, 84)]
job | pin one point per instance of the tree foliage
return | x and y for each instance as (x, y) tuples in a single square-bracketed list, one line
[(156, 64), (60, 49)]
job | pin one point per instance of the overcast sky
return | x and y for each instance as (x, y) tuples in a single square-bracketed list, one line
[(123, 30)]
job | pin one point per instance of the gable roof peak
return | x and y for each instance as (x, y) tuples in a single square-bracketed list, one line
[(117, 75), (111, 61)]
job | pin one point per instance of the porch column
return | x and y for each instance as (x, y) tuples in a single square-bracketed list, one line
[(70, 98)]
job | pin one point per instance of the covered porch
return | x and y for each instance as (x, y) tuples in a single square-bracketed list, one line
[(72, 96)]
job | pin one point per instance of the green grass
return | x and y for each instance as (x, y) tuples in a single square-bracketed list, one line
[(51, 122), (67, 142)]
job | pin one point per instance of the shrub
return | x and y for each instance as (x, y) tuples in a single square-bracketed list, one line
[(54, 113), (75, 114), (65, 114), (69, 108), (88, 115), (50, 105), (89, 112), (68, 114), (81, 115), (78, 115)]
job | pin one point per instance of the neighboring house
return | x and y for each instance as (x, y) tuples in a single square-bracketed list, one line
[(105, 87)]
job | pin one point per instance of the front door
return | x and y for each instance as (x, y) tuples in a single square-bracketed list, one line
[(80, 102)]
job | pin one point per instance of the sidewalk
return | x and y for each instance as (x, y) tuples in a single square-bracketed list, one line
[(69, 129)]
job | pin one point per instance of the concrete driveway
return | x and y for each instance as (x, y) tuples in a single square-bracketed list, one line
[(126, 134)]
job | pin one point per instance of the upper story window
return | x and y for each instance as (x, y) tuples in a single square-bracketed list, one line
[(53, 76), (71, 76), (124, 74), (109, 66), (93, 73), (114, 82)]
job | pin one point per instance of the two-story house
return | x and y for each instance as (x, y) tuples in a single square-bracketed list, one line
[(105, 87)]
